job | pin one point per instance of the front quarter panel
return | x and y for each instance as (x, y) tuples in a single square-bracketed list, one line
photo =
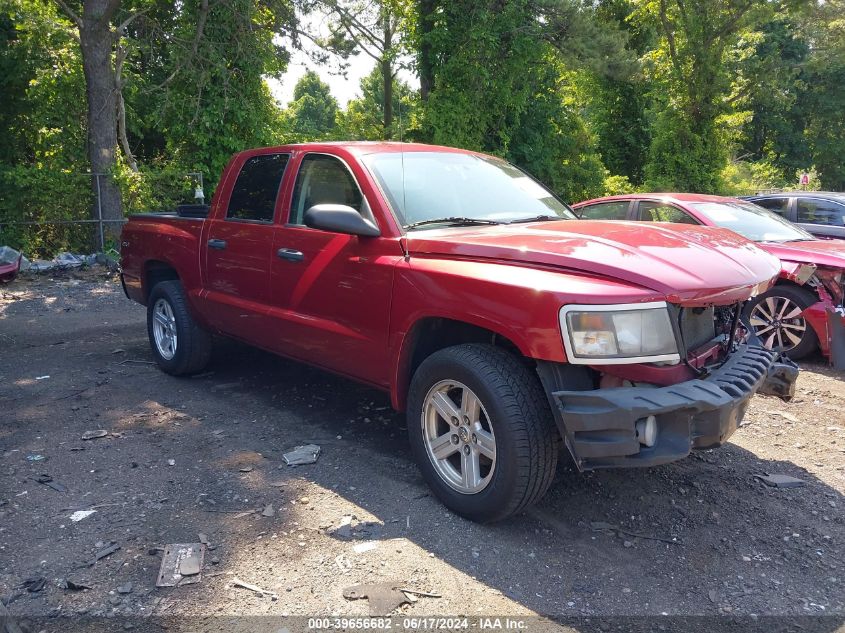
[(518, 303)]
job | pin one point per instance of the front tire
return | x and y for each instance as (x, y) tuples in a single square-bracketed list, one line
[(180, 346), (481, 431), (775, 318)]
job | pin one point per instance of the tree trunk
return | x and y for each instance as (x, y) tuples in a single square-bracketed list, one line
[(387, 72), (387, 78), (97, 45), (426, 63)]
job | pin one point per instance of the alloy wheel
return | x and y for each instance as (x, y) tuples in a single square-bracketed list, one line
[(164, 329), (459, 437), (777, 322)]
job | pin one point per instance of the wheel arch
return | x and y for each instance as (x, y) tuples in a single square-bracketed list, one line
[(156, 271), (430, 334)]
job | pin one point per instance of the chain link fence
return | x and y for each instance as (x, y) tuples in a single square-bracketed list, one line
[(45, 212)]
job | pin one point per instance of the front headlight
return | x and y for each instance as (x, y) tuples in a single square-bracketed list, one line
[(617, 334)]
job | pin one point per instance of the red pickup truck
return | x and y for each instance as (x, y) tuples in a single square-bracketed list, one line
[(502, 325)]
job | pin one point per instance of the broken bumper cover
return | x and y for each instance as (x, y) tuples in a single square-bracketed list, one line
[(599, 425)]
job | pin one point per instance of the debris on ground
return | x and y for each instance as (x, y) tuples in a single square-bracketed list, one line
[(93, 435), (47, 480), (124, 589), (74, 585), (366, 546), (784, 415), (268, 511), (77, 516), (781, 481), (246, 469), (237, 582), (384, 597), (35, 458), (42, 377), (34, 584), (302, 455), (601, 526), (108, 551), (181, 564)]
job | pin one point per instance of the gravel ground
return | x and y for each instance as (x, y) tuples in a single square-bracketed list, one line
[(701, 537)]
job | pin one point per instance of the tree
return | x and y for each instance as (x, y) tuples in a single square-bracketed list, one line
[(692, 70), (363, 118), (616, 104), (226, 46), (773, 78), (312, 114), (824, 100), (501, 85), (370, 28)]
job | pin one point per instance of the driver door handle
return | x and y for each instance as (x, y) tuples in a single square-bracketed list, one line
[(290, 254), (218, 244)]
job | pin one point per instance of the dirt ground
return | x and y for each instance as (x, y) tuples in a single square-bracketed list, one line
[(701, 537)]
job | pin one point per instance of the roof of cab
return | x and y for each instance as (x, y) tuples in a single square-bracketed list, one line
[(365, 147)]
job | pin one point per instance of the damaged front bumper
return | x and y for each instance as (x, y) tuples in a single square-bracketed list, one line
[(599, 426)]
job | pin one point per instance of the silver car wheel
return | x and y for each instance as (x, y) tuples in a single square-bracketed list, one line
[(458, 437), (164, 329), (777, 322)]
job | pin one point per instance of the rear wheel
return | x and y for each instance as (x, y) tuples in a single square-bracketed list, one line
[(179, 344), (481, 431), (775, 317)]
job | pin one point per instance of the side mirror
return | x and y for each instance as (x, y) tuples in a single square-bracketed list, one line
[(339, 218)]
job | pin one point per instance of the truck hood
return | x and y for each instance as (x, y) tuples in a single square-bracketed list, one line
[(825, 253), (688, 265)]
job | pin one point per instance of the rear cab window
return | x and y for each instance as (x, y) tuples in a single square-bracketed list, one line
[(253, 197)]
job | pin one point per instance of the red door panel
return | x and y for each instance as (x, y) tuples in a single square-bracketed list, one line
[(332, 307)]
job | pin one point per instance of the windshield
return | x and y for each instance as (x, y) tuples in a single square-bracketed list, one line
[(752, 222), (448, 185)]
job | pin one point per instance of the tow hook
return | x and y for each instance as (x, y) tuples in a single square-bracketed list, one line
[(780, 380)]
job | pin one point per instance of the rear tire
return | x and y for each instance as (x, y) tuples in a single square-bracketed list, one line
[(180, 346), (492, 459), (773, 316)]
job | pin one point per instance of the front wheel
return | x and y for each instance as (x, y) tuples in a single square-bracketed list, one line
[(179, 344), (481, 431), (775, 317)]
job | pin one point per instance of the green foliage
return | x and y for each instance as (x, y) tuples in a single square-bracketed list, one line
[(219, 103), (744, 178), (682, 158), (363, 119), (312, 114), (617, 185), (501, 88), (592, 98), (45, 196)]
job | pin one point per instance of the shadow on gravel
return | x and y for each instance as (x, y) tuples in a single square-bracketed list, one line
[(702, 536)]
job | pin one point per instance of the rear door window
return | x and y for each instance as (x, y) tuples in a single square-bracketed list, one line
[(616, 210), (254, 195), (817, 211), (653, 211)]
